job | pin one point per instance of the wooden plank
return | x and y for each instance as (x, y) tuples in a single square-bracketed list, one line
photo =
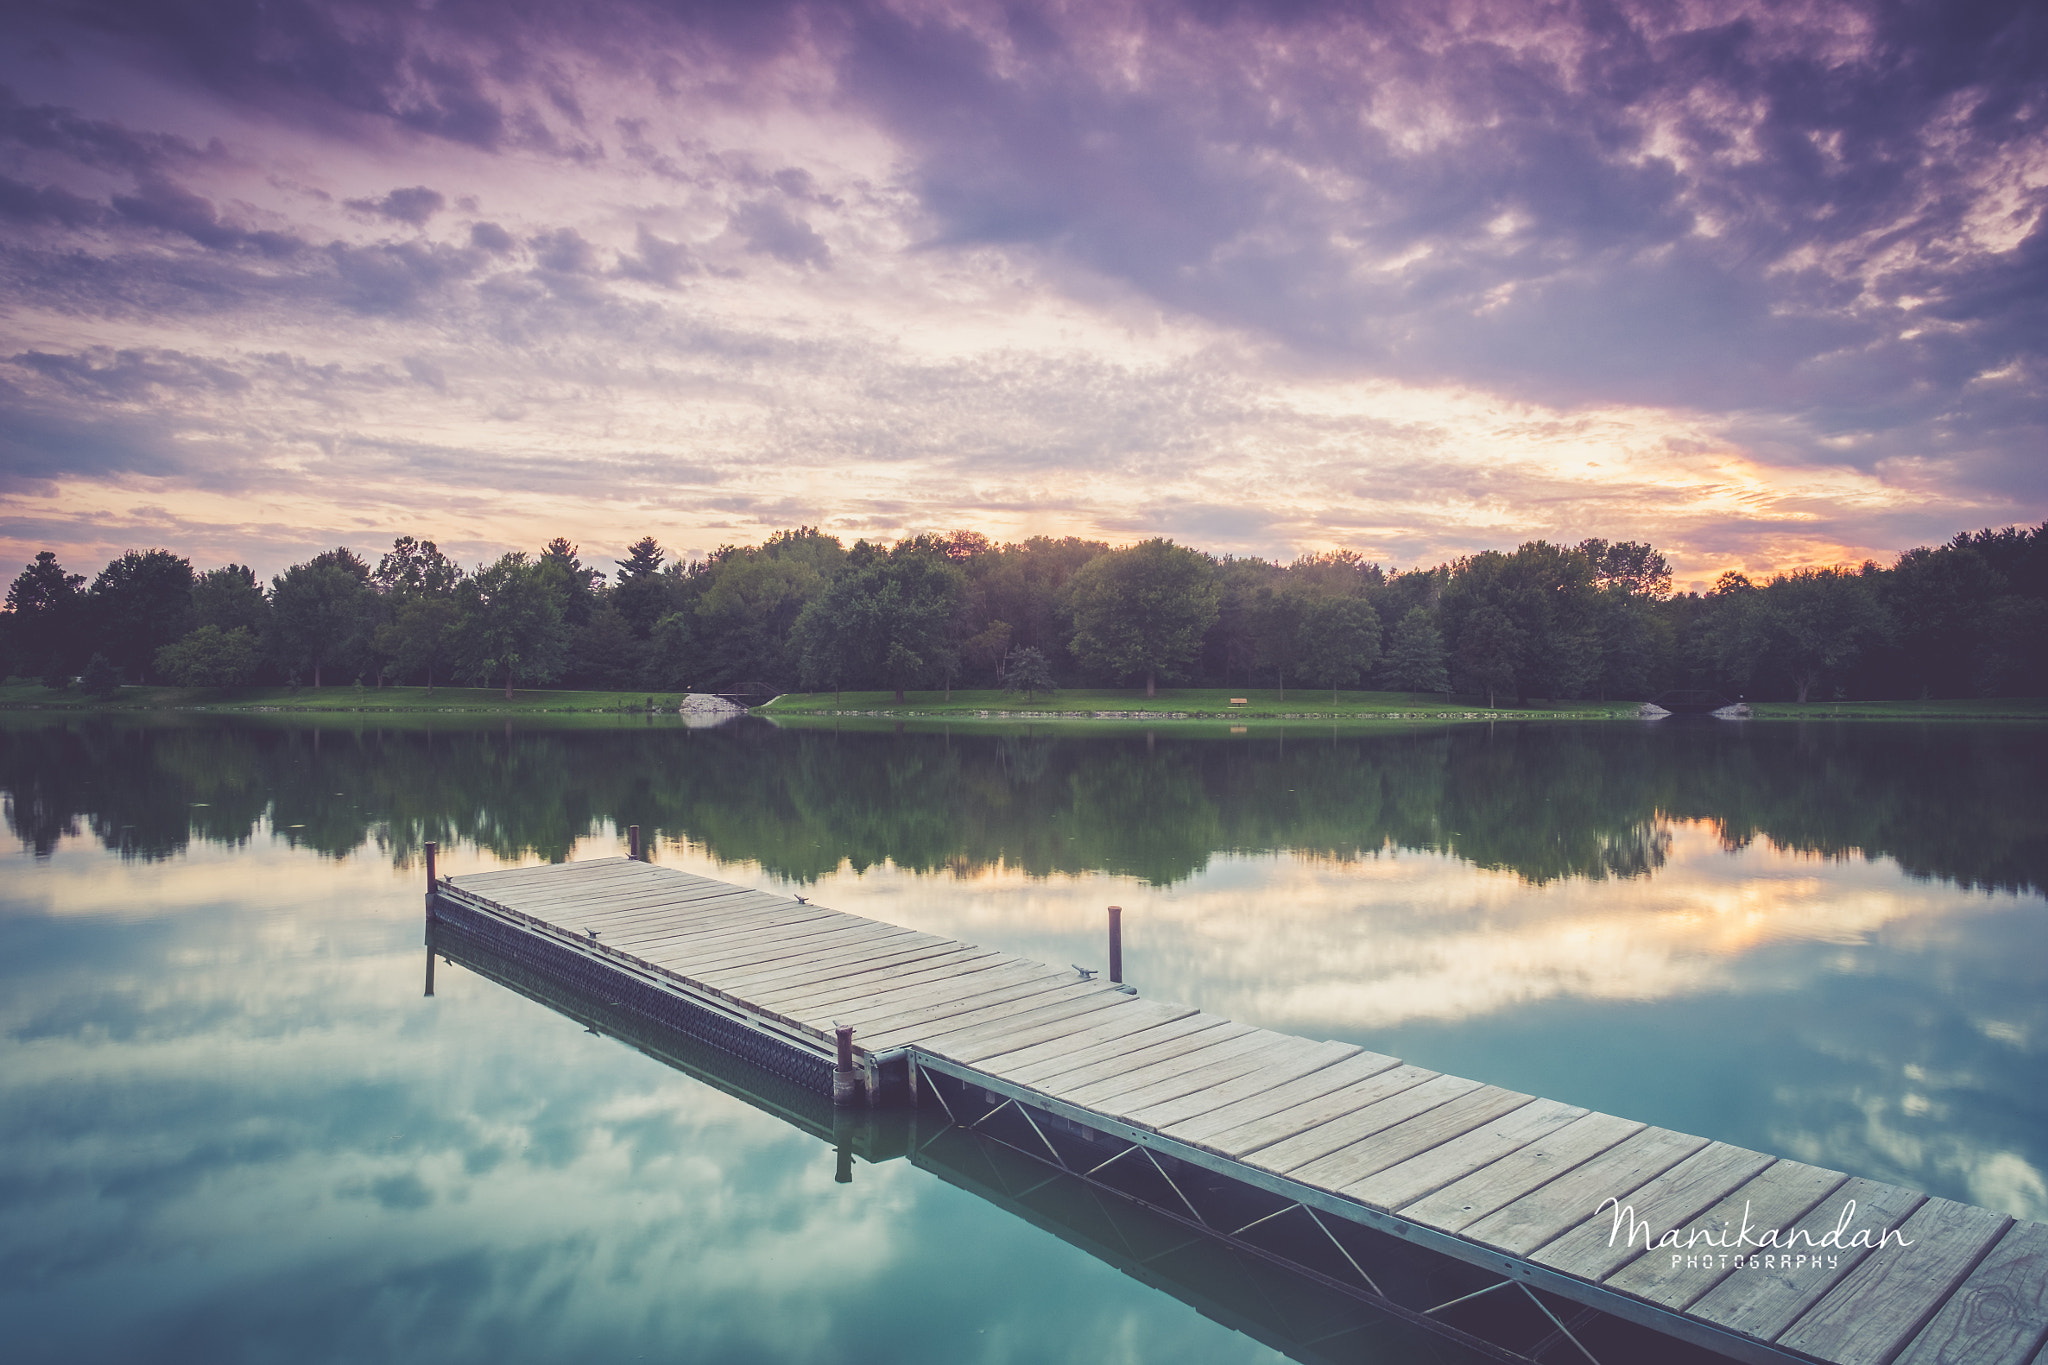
[(951, 997), (993, 1042), (1115, 1036), (1016, 1033), (1268, 1077), (938, 986), (1594, 1249), (763, 942), (595, 868), (1141, 1051), (1995, 1317), (1394, 1097), (892, 984), (758, 943), (1350, 1165), (1887, 1298), (1262, 1104), (712, 919), (1466, 1154), (1538, 1217), (1495, 1186), (1764, 1300), (1026, 995), (631, 910), (882, 1038), (627, 896), (874, 955), (675, 930), (1201, 1071), (1778, 1197), (1296, 1121)]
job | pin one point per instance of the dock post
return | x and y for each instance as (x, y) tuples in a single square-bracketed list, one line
[(845, 1080), (430, 969), (432, 849), (1116, 944), (633, 842)]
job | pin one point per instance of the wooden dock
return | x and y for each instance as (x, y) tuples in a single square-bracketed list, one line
[(1324, 1132)]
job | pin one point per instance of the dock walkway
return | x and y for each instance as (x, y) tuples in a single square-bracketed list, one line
[(1512, 1183)]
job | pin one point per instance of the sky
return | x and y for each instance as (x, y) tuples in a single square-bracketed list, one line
[(1765, 284)]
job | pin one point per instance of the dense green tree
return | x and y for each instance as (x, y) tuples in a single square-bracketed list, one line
[(212, 657), (642, 594), (44, 616), (138, 604), (1275, 617), (230, 598), (1630, 567), (1490, 650), (1025, 670), (321, 615), (576, 587), (890, 622), (2014, 659), (1340, 641), (1142, 611), (604, 654), (1816, 622), (511, 625), (1416, 660), (102, 680), (747, 609), (1545, 594)]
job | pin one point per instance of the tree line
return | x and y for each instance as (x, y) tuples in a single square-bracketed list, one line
[(804, 612)]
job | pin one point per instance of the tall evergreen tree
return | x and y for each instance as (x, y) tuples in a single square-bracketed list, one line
[(44, 611)]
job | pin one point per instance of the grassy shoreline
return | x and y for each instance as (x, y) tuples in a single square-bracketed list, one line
[(1208, 705)]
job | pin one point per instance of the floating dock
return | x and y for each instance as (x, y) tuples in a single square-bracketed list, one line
[(1246, 1128)]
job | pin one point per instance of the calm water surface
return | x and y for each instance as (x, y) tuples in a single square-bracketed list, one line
[(231, 1127)]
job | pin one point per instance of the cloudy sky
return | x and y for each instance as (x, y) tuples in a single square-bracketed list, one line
[(1766, 284)]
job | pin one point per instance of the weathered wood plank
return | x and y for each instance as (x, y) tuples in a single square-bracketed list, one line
[(1296, 1121), (1026, 994), (1467, 1200), (991, 1043), (1764, 1300), (626, 896), (1266, 1103), (969, 997), (872, 955), (1994, 1317), (879, 1039), (1026, 1065), (704, 917), (590, 869), (1268, 1076), (1058, 1078), (916, 990), (1410, 1091), (893, 984), (1594, 1249), (1880, 1304), (772, 938), (1433, 1127), (1776, 1198), (1404, 1182), (633, 910), (1016, 1034), (1568, 1201), (1201, 1071)]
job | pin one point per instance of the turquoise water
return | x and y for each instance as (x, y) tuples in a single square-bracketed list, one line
[(233, 1128)]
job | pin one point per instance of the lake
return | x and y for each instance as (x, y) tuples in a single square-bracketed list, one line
[(232, 1127)]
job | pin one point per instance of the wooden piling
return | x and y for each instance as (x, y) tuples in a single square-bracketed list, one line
[(846, 1087), (432, 849), (1116, 944), (633, 842)]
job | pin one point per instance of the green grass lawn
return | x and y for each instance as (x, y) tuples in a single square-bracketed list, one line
[(1966, 708), (21, 692), (1205, 702), (1078, 704)]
